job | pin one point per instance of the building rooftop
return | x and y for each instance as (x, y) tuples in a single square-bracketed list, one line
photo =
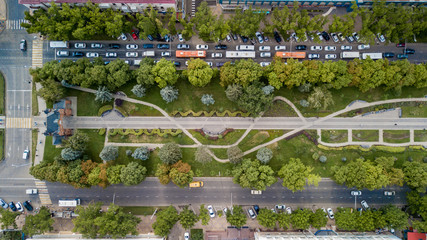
[(99, 1)]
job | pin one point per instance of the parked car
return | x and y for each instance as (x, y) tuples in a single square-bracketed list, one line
[(363, 46), (334, 37), (131, 46), (114, 46), (148, 46), (79, 45), (356, 193), (259, 36), (316, 48), (219, 64), (28, 206), (277, 37), (409, 51), (381, 37), (202, 47), (225, 210), (280, 207), (228, 38), (294, 36), (221, 47), (256, 208), (388, 55), (402, 56), (400, 45), (288, 210), (265, 54), (211, 211), (234, 36), (264, 48), (326, 36), (165, 54), (330, 48), (131, 54), (134, 36), (183, 46), (341, 37), (389, 193), (92, 54), (216, 55), (313, 56), (280, 48), (319, 35), (62, 53), (123, 37), (96, 45), (19, 207), (350, 39), (210, 64), (244, 39), (356, 36), (365, 205), (12, 206), (264, 64), (150, 38), (168, 38), (186, 236), (110, 54), (23, 45), (163, 46), (3, 204), (251, 213), (177, 64), (330, 213), (266, 39), (330, 56), (301, 47), (346, 47)]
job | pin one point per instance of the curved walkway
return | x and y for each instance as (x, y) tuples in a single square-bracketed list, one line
[(305, 126)]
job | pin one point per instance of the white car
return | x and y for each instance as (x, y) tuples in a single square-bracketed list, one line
[(200, 46), (356, 37), (80, 45), (264, 64), (356, 193), (381, 37), (294, 35), (389, 193), (210, 64), (228, 38), (131, 46), (279, 207), (92, 54), (110, 54), (330, 56), (181, 39), (346, 47), (96, 45), (131, 54), (316, 48), (342, 38), (313, 56), (123, 37), (320, 36), (19, 207), (264, 48), (265, 54), (330, 213), (26, 154), (251, 213), (216, 55), (330, 48), (211, 211), (225, 210), (259, 36), (289, 210), (186, 235), (363, 46), (165, 54), (280, 48), (364, 204), (334, 37)]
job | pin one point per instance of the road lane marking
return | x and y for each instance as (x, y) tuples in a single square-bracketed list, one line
[(18, 122)]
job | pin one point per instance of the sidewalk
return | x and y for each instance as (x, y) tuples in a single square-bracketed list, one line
[(3, 15)]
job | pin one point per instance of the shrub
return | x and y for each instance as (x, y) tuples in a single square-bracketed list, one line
[(169, 94), (304, 103), (128, 152), (104, 108), (109, 153), (315, 156), (207, 99), (343, 159), (103, 95), (142, 153), (268, 89), (264, 155), (118, 102), (323, 159), (101, 131), (170, 153), (138, 90)]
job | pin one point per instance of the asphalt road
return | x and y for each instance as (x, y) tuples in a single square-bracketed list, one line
[(221, 191)]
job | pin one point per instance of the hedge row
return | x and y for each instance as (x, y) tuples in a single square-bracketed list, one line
[(209, 114), (148, 132), (379, 148), (122, 111), (104, 108), (102, 131)]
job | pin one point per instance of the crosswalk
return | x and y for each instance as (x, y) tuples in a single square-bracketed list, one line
[(193, 8), (18, 122), (15, 24), (37, 57), (43, 193)]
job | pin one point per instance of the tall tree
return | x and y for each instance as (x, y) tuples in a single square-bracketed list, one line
[(204, 215), (236, 217), (109, 153), (394, 217), (187, 218), (103, 95), (116, 223), (133, 174), (295, 175), (267, 218), (300, 219), (144, 74), (164, 73), (416, 175), (181, 174), (84, 223), (165, 220), (318, 219), (199, 72), (7, 219), (254, 100), (202, 155), (252, 174), (170, 153)]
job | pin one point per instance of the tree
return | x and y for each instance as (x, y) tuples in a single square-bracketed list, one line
[(170, 153), (252, 174), (295, 175), (234, 154), (116, 223), (133, 174), (394, 217), (284, 220), (204, 215), (38, 223), (149, 22), (417, 204), (268, 89), (254, 100), (246, 22), (51, 90), (144, 74), (204, 21), (109, 153), (318, 219), (162, 172), (207, 99), (267, 218), (415, 175), (103, 95), (142, 153), (187, 218), (69, 154), (242, 72), (345, 219), (138, 90), (320, 98), (113, 174), (7, 219), (237, 218), (169, 94), (323, 158), (199, 72), (188, 27), (264, 155), (300, 219), (164, 73), (165, 220), (233, 92), (202, 155), (78, 141), (181, 174), (84, 223)]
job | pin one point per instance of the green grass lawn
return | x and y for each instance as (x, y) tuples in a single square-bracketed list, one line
[(139, 110), (50, 151), (33, 143), (228, 139), (180, 139), (86, 104), (196, 231), (2, 144), (414, 111), (281, 109), (365, 135), (334, 136), (96, 144), (396, 136), (34, 102), (420, 135), (2, 94), (257, 137), (144, 211)]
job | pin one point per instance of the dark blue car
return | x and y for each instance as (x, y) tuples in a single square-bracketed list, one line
[(12, 206), (28, 206), (163, 46)]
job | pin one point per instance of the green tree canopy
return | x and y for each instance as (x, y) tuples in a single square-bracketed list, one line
[(165, 220), (267, 218), (300, 219), (199, 72), (84, 223), (187, 218), (237, 218), (133, 174), (7, 219), (295, 175), (253, 174), (416, 175), (170, 153), (116, 223), (164, 73)]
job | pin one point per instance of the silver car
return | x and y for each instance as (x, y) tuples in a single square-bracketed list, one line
[(131, 46), (211, 211), (131, 54), (92, 54), (80, 45)]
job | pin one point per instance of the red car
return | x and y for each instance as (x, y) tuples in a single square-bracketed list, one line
[(135, 37), (400, 45)]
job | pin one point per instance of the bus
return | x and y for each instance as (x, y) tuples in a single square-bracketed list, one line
[(245, 48), (69, 202), (59, 44), (291, 54), (240, 54), (189, 54), (350, 55), (373, 56)]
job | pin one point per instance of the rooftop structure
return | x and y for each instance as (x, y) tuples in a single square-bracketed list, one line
[(54, 118)]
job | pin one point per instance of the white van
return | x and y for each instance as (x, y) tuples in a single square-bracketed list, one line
[(245, 47)]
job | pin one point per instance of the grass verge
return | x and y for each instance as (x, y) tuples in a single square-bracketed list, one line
[(396, 136), (414, 111), (228, 139), (33, 143), (420, 135), (334, 136), (3, 94), (196, 232), (366, 135), (281, 109), (142, 211), (139, 110), (34, 102), (257, 137), (50, 151), (2, 144), (181, 139)]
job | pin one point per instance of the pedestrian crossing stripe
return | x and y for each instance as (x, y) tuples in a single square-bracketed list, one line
[(15, 24), (37, 56), (18, 122)]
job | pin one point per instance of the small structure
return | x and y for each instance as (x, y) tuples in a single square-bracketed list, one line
[(231, 233), (54, 120)]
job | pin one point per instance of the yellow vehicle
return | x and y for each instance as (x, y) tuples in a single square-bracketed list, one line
[(196, 184)]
